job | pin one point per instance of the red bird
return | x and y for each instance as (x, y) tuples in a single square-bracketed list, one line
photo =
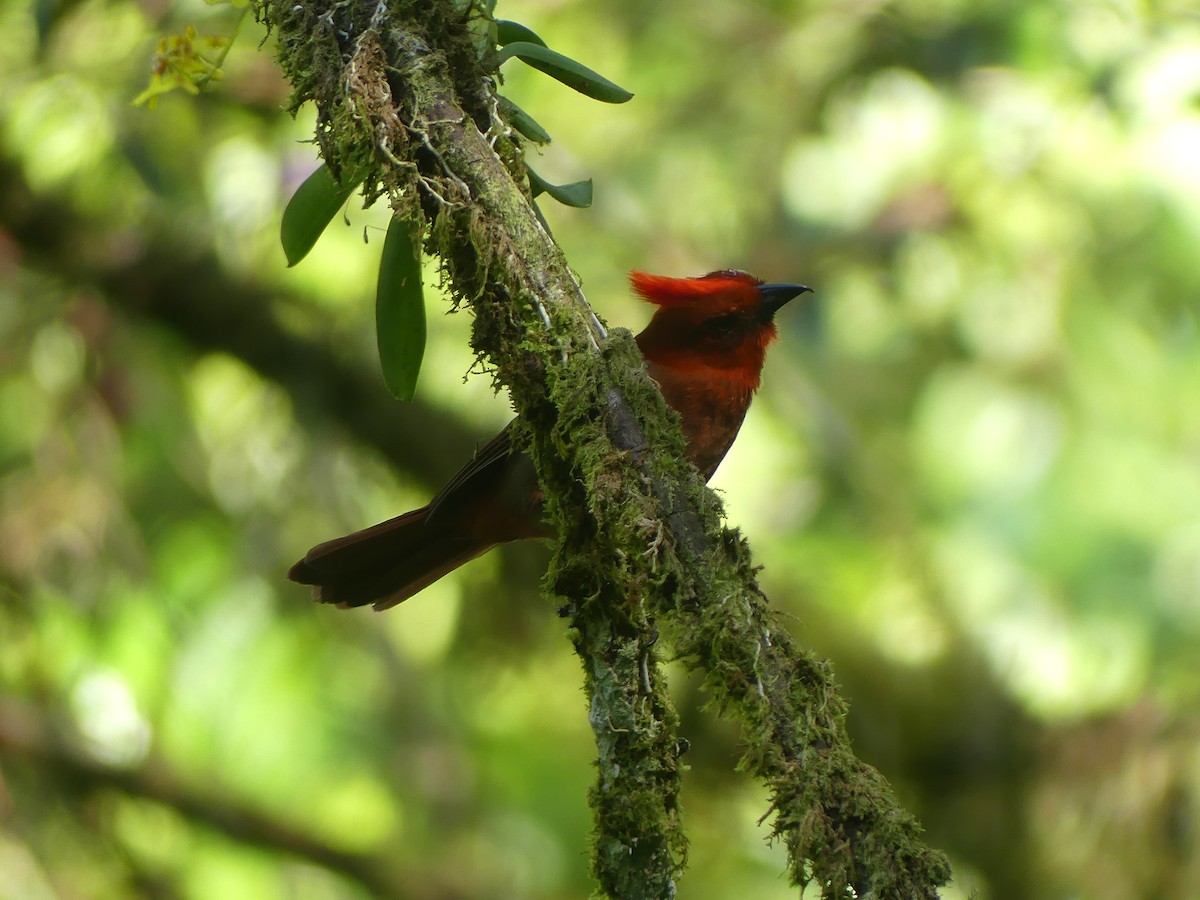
[(705, 346)]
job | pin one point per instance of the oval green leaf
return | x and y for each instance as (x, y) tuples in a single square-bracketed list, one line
[(510, 32), (523, 122), (577, 193), (400, 309), (571, 73), (310, 210)]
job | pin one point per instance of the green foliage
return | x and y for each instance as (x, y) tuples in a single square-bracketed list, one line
[(400, 324), (310, 211), (510, 32), (578, 193), (573, 74), (970, 477), (180, 62), (187, 61), (525, 124), (400, 309)]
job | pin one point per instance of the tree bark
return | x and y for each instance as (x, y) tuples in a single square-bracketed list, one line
[(406, 100)]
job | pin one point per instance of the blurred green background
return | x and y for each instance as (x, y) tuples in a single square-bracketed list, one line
[(972, 475)]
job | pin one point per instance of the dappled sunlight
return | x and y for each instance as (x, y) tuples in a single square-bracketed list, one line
[(898, 617), (1177, 577), (357, 811), (247, 429), (1063, 669), (109, 720), (971, 477), (65, 119), (885, 136), (425, 635), (241, 179), (979, 438), (545, 694)]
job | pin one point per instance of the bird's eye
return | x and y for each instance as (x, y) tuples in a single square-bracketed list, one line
[(721, 326)]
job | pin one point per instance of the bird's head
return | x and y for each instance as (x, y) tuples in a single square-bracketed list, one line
[(723, 321)]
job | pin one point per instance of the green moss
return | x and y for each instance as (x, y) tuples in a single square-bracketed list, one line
[(401, 97)]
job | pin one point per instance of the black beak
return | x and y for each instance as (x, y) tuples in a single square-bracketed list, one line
[(776, 295)]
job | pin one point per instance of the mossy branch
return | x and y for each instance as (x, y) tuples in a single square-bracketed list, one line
[(405, 99)]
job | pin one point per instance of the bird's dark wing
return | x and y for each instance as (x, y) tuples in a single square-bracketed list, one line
[(487, 465)]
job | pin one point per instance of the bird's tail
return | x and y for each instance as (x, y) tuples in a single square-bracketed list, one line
[(386, 563)]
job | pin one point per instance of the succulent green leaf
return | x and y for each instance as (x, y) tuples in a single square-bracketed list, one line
[(400, 309), (310, 210), (510, 32), (523, 122), (577, 193), (571, 73)]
